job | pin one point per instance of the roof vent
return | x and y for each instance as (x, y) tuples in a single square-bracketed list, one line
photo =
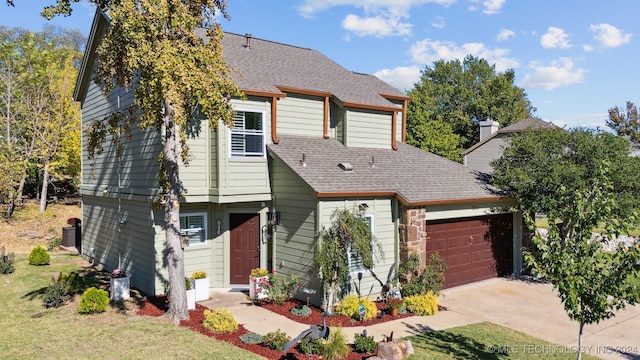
[(247, 36), (346, 167)]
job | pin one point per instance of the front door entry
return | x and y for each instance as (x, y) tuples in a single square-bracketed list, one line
[(245, 246)]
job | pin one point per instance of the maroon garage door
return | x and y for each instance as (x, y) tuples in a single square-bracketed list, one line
[(474, 248)]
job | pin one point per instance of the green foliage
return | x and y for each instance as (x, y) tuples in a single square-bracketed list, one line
[(350, 306), (6, 261), (364, 344), (302, 311), (349, 229), (310, 347), (93, 301), (251, 338), (460, 94), (281, 287), (56, 294), (73, 282), (336, 347), (219, 321), (625, 122), (591, 283), (187, 283), (54, 243), (39, 256), (422, 305), (276, 339), (429, 279)]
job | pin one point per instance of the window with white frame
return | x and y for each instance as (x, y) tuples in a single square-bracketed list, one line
[(247, 134), (194, 227), (355, 263)]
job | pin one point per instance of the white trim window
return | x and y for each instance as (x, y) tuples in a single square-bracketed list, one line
[(355, 263), (194, 226), (247, 135)]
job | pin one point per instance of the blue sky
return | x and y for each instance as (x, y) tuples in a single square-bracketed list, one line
[(574, 58)]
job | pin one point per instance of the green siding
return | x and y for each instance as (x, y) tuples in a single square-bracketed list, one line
[(194, 176), (301, 115), (368, 129)]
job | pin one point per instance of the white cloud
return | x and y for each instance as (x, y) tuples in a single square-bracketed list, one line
[(555, 38), (438, 23), (490, 6), (376, 26), (558, 73), (610, 36), (505, 34), (310, 7), (427, 51), (587, 47), (403, 78)]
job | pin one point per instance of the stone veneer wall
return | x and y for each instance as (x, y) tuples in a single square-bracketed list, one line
[(413, 233)]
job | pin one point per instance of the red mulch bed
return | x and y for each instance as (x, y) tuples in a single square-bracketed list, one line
[(157, 305)]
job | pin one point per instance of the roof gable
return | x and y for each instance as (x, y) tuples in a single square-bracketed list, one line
[(529, 123)]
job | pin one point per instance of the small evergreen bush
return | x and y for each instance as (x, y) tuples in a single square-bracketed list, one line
[(276, 339), (93, 301), (39, 256), (350, 306), (6, 261), (311, 347), (251, 338), (364, 344), (56, 294), (219, 321), (336, 347), (422, 304), (422, 281), (54, 243), (73, 281), (302, 311)]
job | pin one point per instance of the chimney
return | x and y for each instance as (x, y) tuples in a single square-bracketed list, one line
[(247, 36), (487, 128)]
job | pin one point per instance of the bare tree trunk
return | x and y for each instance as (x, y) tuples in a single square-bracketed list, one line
[(178, 309), (580, 342), (45, 186)]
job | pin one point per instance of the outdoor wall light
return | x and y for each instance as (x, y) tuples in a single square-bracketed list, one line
[(219, 227)]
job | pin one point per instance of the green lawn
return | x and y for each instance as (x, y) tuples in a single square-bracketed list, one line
[(30, 331), (486, 341)]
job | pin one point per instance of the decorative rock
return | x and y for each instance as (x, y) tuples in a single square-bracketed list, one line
[(389, 351), (406, 347)]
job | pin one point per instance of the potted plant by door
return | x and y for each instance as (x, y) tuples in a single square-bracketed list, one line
[(394, 305), (201, 283), (256, 280), (119, 285), (191, 294)]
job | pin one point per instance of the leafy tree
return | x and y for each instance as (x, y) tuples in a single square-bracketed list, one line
[(349, 231), (625, 122), (153, 49), (592, 283), (537, 164), (461, 94)]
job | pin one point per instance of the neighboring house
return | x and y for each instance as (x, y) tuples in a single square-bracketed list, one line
[(311, 137), (492, 141)]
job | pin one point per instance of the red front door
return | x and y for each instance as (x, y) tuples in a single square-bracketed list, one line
[(245, 246)]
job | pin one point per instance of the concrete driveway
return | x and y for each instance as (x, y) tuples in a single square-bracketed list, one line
[(535, 309)]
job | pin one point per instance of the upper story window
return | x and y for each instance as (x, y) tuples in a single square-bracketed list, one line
[(194, 226), (355, 263), (247, 134)]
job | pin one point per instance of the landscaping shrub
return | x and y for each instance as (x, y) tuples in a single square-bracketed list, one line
[(56, 294), (93, 301), (73, 281), (219, 321), (310, 347), (6, 261), (39, 256), (54, 243), (350, 306), (430, 278), (336, 347), (302, 311), (281, 287), (364, 344), (276, 339), (426, 304), (251, 338)]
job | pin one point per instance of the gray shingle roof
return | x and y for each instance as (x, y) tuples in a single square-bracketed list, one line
[(267, 64), (416, 176), (528, 123)]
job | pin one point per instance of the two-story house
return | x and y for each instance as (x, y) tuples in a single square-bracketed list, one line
[(311, 137)]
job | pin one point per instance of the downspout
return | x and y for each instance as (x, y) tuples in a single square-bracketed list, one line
[(394, 146), (325, 129), (404, 121), (274, 134)]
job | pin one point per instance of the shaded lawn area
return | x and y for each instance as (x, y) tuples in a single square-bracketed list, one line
[(486, 341)]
